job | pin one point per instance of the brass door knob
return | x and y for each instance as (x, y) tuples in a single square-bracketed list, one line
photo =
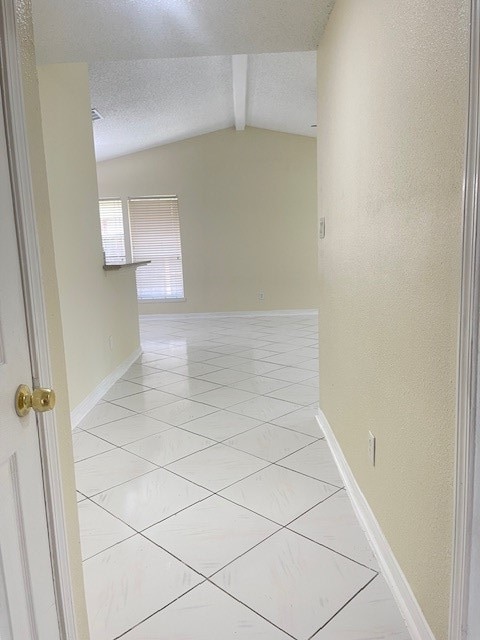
[(39, 400)]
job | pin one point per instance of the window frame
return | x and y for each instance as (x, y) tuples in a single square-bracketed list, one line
[(127, 239), (126, 257)]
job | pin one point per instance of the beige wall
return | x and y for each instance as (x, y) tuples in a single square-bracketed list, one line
[(247, 204), (94, 304), (392, 106), (42, 210)]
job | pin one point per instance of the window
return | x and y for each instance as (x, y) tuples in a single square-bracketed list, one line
[(150, 230), (155, 236), (111, 221)]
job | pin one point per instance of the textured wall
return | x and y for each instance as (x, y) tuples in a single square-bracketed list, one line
[(392, 108), (247, 203), (44, 226), (95, 304)]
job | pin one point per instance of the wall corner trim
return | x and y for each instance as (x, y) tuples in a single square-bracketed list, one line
[(390, 569), (101, 389)]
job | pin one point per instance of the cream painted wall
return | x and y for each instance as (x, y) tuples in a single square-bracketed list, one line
[(247, 204), (94, 304), (54, 325), (392, 111)]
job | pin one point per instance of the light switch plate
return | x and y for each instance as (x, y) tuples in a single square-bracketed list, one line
[(321, 228), (372, 446)]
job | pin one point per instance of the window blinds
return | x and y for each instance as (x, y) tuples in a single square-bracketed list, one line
[(155, 234), (111, 221)]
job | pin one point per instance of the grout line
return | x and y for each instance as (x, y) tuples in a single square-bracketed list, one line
[(251, 609), (166, 466), (140, 475), (266, 341), (343, 607), (158, 611)]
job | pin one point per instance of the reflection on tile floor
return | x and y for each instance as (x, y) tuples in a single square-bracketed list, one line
[(210, 506)]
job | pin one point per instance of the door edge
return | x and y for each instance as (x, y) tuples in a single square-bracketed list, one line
[(35, 314)]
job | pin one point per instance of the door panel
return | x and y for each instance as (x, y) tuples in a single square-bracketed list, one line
[(27, 601)]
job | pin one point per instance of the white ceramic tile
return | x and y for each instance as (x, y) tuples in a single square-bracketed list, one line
[(256, 367), (311, 365), (260, 385), (312, 382), (227, 349), (302, 420), (229, 361), (226, 376), (221, 425), (206, 613), (255, 354), (333, 523), (107, 470), (86, 445), (150, 498), (138, 370), (299, 393), (189, 387), (264, 408), (148, 356), (169, 446), (130, 582), (169, 363), (181, 411), (308, 352), (293, 582), (98, 529), (103, 413), (159, 379), (129, 429), (200, 355), (371, 615), (195, 369), (187, 357), (278, 347), (211, 533), (80, 497), (279, 494), (290, 374), (269, 442), (123, 388), (147, 400), (224, 397), (217, 467), (315, 461), (289, 359)]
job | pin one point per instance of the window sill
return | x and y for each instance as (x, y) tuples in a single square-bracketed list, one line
[(125, 265)]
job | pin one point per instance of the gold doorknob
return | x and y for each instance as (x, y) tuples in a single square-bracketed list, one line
[(39, 400)]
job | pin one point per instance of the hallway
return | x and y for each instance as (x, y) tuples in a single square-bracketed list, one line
[(210, 506)]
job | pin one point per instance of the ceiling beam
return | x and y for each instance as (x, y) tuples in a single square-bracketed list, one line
[(239, 72)]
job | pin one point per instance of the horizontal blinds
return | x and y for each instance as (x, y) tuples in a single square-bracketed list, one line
[(155, 234), (111, 221)]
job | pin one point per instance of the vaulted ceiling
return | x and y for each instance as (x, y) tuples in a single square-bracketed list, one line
[(161, 70)]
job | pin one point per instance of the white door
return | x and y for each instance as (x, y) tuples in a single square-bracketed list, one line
[(27, 601)]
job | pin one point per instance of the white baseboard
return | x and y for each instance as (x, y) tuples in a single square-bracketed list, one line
[(233, 314), (101, 389), (391, 571)]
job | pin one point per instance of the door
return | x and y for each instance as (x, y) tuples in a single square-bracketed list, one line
[(27, 600)]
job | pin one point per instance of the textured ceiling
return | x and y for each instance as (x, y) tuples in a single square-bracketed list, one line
[(282, 92), (98, 30), (145, 103), (161, 70)]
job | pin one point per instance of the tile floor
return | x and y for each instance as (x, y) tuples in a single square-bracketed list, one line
[(210, 506)]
